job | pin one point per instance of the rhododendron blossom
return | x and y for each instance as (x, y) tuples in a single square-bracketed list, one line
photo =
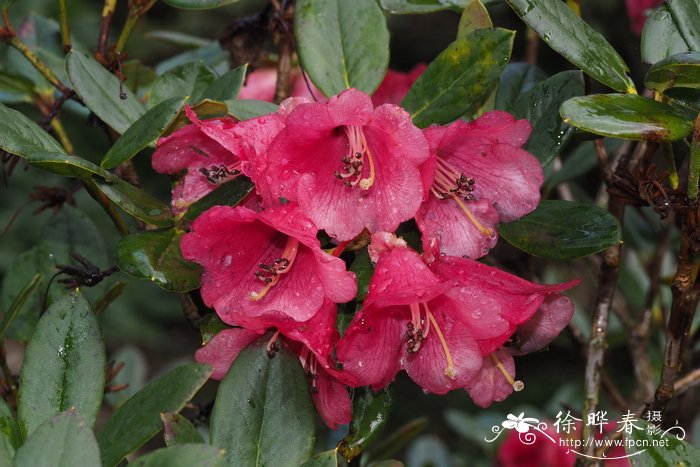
[(349, 166), (478, 176), (396, 84), (443, 323), (311, 340), (262, 264), (638, 10), (205, 161)]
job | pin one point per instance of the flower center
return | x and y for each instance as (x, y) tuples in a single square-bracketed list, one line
[(355, 160), (217, 174), (517, 384), (450, 183), (309, 363), (418, 329), (270, 273)]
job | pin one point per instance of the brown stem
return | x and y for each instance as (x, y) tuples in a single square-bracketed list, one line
[(107, 15), (284, 40)]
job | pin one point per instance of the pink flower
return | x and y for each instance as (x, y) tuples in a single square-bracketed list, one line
[(258, 265), (638, 10), (396, 85), (348, 165), (311, 340), (206, 162), (260, 84), (478, 176), (443, 323)]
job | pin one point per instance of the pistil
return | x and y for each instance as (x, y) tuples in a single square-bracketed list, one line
[(354, 162), (270, 273), (517, 384)]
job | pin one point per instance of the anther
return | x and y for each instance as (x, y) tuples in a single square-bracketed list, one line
[(517, 384)]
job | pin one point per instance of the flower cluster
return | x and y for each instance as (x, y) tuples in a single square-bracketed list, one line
[(357, 169)]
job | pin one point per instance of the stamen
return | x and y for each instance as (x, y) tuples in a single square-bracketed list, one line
[(450, 371), (354, 161), (270, 273), (272, 345), (517, 384), (219, 174), (450, 183)]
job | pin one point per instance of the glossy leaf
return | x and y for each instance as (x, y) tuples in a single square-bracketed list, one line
[(66, 440), (210, 325), (184, 455), (10, 436), (137, 202), (108, 297), (323, 459), (178, 430), (63, 365), (138, 419), (663, 448), (370, 412), (362, 267), (143, 132), (390, 445), (516, 80), (460, 79), (18, 303), (133, 374), (228, 194), (626, 116), (226, 86), (677, 71), (155, 255), (260, 402), (188, 80), (475, 16), (342, 44), (569, 35), (661, 37), (138, 76), (563, 230), (540, 106), (179, 39), (198, 4), (70, 166), (578, 162), (22, 137), (687, 16), (250, 108), (402, 7), (688, 99), (100, 90)]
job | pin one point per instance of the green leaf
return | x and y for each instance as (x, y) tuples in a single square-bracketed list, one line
[(177, 39), (663, 448), (10, 436), (626, 116), (70, 166), (210, 325), (138, 76), (138, 419), (100, 91), (393, 443), (108, 297), (260, 402), (403, 7), (63, 441), (687, 16), (580, 161), (516, 80), (187, 80), (155, 255), (362, 267), (184, 455), (64, 365), (677, 71), (198, 4), (204, 110), (133, 374), (563, 230), (250, 108), (342, 44), (137, 202), (18, 303), (540, 106), (229, 194), (143, 132), (687, 99), (475, 16), (226, 86), (569, 35), (179, 430), (370, 412), (323, 459), (460, 79), (22, 137), (661, 37)]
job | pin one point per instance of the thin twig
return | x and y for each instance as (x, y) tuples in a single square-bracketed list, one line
[(284, 40), (65, 29), (105, 24)]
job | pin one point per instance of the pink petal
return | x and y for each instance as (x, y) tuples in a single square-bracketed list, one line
[(222, 350), (332, 400), (428, 367), (396, 84), (550, 319), (459, 236), (489, 385), (260, 85), (370, 349)]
